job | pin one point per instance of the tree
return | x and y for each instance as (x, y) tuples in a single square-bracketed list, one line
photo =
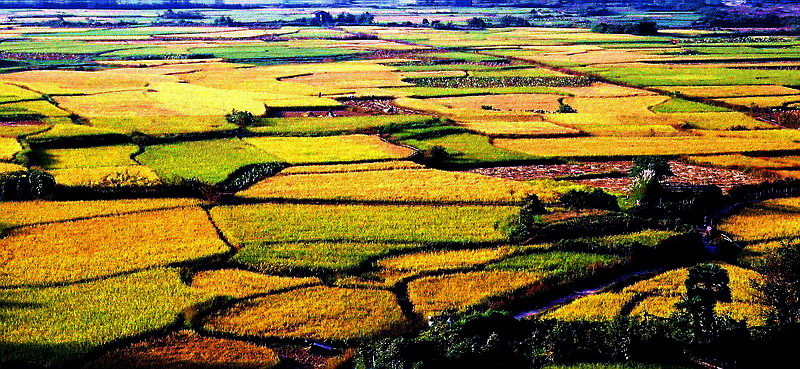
[(646, 174), (476, 23), (590, 199), (658, 164), (531, 208), (565, 109), (706, 284), (240, 118), (780, 288), (435, 156)]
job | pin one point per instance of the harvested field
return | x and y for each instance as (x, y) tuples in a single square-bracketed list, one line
[(612, 174), (188, 350)]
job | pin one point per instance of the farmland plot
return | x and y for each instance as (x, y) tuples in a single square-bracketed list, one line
[(86, 249)]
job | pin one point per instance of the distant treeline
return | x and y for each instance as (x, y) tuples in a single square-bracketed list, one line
[(721, 18), (641, 28)]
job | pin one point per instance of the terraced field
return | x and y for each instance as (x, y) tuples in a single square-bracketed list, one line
[(378, 184)]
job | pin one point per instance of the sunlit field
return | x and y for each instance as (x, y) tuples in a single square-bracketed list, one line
[(245, 194)]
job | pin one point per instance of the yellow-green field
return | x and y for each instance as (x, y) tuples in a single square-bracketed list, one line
[(214, 192)]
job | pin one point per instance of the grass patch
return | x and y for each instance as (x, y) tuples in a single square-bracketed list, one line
[(207, 161), (676, 105), (463, 148), (318, 257)]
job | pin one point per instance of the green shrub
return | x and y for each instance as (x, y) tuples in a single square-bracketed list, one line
[(241, 119), (249, 175)]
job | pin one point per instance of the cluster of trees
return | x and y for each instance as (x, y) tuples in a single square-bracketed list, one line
[(719, 17), (181, 15), (494, 339), (323, 18), (641, 28)]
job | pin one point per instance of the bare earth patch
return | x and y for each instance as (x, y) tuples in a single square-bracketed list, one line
[(616, 181)]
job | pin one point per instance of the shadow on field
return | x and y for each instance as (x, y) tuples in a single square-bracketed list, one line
[(35, 355)]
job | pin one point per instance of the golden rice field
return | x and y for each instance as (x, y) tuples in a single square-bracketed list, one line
[(21, 213), (85, 249), (345, 209), (780, 214), (335, 149), (429, 261), (323, 313), (400, 223), (351, 168), (240, 283), (8, 147), (415, 185), (113, 177), (658, 296), (101, 156), (732, 91), (745, 162), (524, 102), (10, 168), (456, 292), (87, 316)]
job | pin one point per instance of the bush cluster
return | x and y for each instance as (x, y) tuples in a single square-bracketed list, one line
[(249, 175), (33, 184), (641, 28), (590, 199)]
